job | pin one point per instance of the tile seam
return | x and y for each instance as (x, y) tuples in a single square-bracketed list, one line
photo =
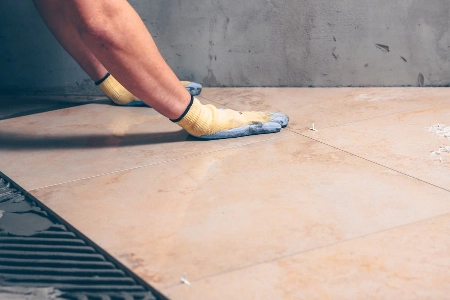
[(351, 122), (353, 154), (372, 118), (169, 287), (156, 163), (371, 161)]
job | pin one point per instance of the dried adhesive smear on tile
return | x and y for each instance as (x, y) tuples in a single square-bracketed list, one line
[(442, 131)]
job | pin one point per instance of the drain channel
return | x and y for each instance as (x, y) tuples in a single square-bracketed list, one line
[(40, 252)]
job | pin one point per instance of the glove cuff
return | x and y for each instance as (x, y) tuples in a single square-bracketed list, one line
[(103, 79), (197, 120), (114, 90), (185, 112)]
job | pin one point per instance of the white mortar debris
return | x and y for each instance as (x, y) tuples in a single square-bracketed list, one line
[(442, 131), (442, 149)]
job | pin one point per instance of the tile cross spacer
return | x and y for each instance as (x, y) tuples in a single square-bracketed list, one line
[(184, 280)]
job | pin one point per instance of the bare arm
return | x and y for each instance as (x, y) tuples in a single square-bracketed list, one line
[(115, 34)]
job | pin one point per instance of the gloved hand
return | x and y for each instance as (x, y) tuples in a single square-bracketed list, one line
[(209, 122), (119, 95)]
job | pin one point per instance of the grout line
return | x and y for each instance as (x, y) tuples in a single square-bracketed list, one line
[(306, 251), (400, 172), (376, 117), (351, 122), (214, 101), (371, 161), (156, 163)]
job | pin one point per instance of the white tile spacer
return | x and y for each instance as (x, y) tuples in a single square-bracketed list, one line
[(184, 280)]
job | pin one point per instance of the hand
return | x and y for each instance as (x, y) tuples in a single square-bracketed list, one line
[(208, 122)]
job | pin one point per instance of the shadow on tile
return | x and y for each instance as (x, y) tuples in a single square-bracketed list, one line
[(15, 141), (22, 105), (93, 139)]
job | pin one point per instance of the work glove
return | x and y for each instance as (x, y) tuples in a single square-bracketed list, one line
[(119, 95), (208, 122)]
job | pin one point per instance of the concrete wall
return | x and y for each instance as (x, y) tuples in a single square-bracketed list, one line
[(253, 43)]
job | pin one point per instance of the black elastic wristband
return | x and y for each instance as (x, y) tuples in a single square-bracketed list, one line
[(103, 79), (185, 112)]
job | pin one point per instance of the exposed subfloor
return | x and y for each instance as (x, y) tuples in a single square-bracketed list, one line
[(359, 208)]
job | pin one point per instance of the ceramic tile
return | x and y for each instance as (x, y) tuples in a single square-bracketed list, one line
[(20, 105), (400, 141), (230, 209), (69, 144), (410, 262), (327, 107)]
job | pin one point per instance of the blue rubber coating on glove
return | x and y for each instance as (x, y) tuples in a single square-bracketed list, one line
[(280, 118), (194, 88), (135, 103), (260, 128), (274, 125)]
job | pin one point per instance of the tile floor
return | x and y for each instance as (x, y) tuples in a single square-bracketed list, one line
[(357, 209), (22, 105)]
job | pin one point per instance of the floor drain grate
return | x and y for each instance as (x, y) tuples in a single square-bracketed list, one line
[(41, 253)]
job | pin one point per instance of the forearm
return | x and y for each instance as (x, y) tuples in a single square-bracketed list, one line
[(115, 34), (54, 16)]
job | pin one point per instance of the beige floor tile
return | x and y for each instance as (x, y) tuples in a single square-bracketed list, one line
[(64, 145), (214, 213), (410, 262), (400, 141), (327, 107), (13, 106)]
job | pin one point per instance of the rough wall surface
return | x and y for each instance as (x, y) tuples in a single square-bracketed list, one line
[(253, 43)]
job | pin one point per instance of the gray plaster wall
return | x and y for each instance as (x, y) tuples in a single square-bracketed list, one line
[(253, 43)]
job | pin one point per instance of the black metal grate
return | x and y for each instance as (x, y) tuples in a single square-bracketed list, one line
[(57, 257)]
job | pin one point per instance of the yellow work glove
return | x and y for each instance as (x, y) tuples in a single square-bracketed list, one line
[(115, 91), (209, 122), (121, 96)]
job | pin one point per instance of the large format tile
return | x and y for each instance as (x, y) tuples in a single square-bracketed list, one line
[(400, 141), (13, 106), (327, 107), (214, 213), (411, 262), (59, 146)]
